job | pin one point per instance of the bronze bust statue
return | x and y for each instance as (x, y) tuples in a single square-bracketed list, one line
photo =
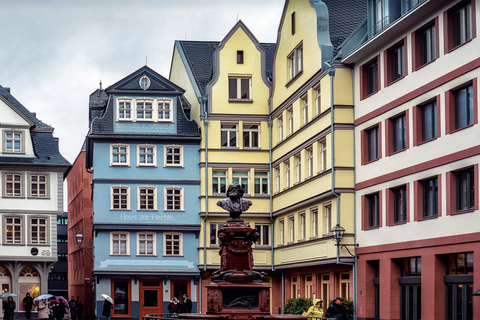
[(234, 203)]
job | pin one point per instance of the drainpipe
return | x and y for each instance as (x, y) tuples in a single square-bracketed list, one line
[(270, 124), (205, 122), (283, 289), (354, 207)]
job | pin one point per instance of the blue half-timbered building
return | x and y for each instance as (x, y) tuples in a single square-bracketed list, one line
[(143, 153)]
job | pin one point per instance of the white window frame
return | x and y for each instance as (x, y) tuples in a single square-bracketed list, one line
[(287, 174), (322, 149), (122, 109), (261, 230), (164, 112), (113, 239), (238, 176), (42, 229), (218, 226), (120, 196), (13, 140), (217, 176), (280, 128), (16, 223), (291, 229), (174, 195), (147, 196), (251, 134), (153, 154), (303, 226), (327, 218), (239, 79), (119, 153), (290, 120), (314, 212), (260, 175), (144, 110), (295, 62), (277, 179), (38, 183), (228, 133), (309, 162), (298, 168), (13, 182), (317, 91), (281, 231), (179, 240), (304, 109), (171, 162), (143, 237)]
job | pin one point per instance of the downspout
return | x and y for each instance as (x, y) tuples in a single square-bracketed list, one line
[(354, 207), (331, 73), (283, 289), (270, 124), (205, 122)]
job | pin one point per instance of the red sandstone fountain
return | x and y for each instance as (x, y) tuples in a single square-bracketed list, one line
[(237, 291)]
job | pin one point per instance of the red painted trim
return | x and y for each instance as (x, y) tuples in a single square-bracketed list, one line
[(448, 26), (363, 78), (417, 121), (452, 192), (417, 47), (464, 154), (364, 147), (419, 200), (472, 65), (365, 211), (112, 294), (387, 63), (441, 242), (450, 106), (389, 134), (390, 202)]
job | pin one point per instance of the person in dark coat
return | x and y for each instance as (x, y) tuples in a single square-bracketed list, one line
[(187, 304), (79, 309), (107, 308), (337, 310), (72, 305), (173, 307), (59, 310), (9, 309), (28, 302)]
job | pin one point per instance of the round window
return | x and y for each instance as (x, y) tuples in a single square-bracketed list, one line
[(144, 83)]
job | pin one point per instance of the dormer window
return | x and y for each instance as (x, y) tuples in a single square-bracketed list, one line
[(144, 83), (13, 142), (144, 109), (239, 56)]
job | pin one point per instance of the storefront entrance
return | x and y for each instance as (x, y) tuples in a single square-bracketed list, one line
[(151, 297)]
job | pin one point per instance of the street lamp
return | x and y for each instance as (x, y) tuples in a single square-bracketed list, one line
[(338, 232), (79, 238)]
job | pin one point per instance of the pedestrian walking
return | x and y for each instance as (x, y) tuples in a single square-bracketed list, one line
[(337, 309), (72, 305), (187, 304), (59, 310), (9, 309), (43, 310), (79, 310), (28, 302), (107, 307)]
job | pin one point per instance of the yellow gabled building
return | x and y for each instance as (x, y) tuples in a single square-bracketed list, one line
[(228, 86), (313, 151)]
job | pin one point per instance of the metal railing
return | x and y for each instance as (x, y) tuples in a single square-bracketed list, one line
[(159, 316)]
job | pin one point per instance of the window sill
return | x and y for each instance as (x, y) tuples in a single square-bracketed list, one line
[(426, 141), (427, 218), (425, 64), (396, 152), (146, 166), (370, 161), (146, 255), (458, 46), (240, 100), (252, 148), (173, 255), (171, 210), (38, 198), (454, 213), (462, 128), (262, 195), (231, 148), (369, 95), (389, 83), (148, 210), (13, 153), (119, 165), (289, 83), (173, 166), (14, 197)]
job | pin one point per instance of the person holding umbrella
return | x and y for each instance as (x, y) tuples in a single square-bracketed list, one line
[(9, 309), (107, 306), (43, 310)]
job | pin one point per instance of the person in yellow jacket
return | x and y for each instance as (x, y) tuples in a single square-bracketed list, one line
[(315, 311)]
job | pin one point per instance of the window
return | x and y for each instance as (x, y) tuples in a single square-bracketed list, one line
[(119, 155), (38, 230), (290, 120), (465, 189), (38, 186), (240, 56), (261, 182), (277, 179), (318, 99), (427, 122), (173, 199), (327, 219), (463, 107), (395, 59), (410, 288), (146, 243), (13, 142), (120, 243), (309, 162), (147, 198), (345, 285), (146, 155), (295, 62), (280, 128), (13, 230), (281, 233), (239, 88), (398, 133), (314, 223), (241, 178), (13, 185), (303, 226), (291, 229), (459, 286), (120, 198), (425, 45), (124, 109), (173, 156), (144, 82), (250, 136), (381, 15), (264, 231), (322, 147), (287, 174), (228, 135), (459, 25), (370, 144), (214, 227), (309, 287), (305, 109), (294, 287), (298, 168), (373, 210), (293, 22), (369, 78), (430, 197), (173, 244), (164, 110), (122, 296), (144, 109), (399, 204), (219, 181)]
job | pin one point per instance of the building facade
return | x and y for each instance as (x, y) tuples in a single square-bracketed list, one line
[(143, 155), (228, 84), (31, 196), (58, 275), (417, 198)]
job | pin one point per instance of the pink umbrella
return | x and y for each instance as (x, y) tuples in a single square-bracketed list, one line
[(60, 298)]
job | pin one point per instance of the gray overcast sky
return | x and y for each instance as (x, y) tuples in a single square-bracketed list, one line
[(53, 53)]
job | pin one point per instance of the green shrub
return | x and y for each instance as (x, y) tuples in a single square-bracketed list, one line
[(297, 306)]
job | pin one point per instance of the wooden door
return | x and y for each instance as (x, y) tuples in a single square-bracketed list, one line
[(151, 297)]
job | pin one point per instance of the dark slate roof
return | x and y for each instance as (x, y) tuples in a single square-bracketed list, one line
[(344, 17), (29, 115), (199, 55)]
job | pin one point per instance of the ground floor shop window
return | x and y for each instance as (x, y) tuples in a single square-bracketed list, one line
[(459, 287), (122, 297)]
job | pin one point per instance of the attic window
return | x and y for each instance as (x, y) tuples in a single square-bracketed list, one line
[(144, 83), (293, 22), (239, 56)]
